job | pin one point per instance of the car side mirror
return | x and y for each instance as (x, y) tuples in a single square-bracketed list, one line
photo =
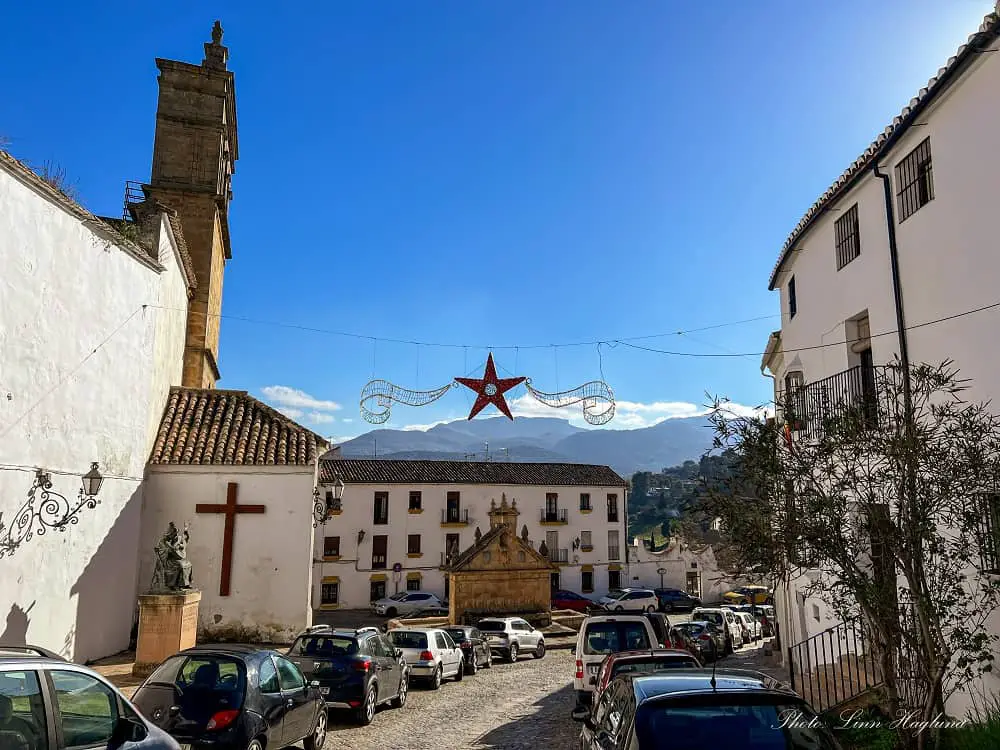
[(127, 730), (581, 713)]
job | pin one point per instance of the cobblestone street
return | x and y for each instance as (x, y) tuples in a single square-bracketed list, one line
[(511, 706)]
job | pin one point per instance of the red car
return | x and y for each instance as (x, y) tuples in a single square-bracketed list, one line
[(645, 662), (570, 600)]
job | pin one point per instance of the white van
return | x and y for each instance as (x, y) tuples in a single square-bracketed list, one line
[(607, 634), (726, 620)]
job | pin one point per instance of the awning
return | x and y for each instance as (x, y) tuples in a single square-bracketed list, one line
[(414, 576), (379, 577), (614, 566), (331, 579), (587, 568)]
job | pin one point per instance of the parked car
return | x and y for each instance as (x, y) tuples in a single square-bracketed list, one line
[(474, 647), (749, 595), (751, 628), (357, 670), (611, 596), (707, 636), (430, 653), (737, 709), (510, 636), (607, 634), (680, 640), (672, 600), (48, 703), (725, 620), (406, 603), (571, 600), (635, 600), (661, 627), (234, 697), (644, 662)]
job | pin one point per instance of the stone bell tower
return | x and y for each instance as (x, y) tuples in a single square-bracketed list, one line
[(194, 156)]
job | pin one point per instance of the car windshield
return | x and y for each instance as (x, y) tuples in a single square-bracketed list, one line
[(408, 639), (612, 637), (614, 594), (690, 628), (324, 645), (494, 626), (654, 665), (715, 617), (398, 597), (752, 723)]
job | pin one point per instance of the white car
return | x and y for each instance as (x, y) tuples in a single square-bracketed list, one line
[(635, 600), (722, 618), (611, 596), (430, 653), (601, 635), (512, 636), (405, 603), (752, 625)]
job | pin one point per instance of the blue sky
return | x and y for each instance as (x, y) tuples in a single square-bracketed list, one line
[(490, 174)]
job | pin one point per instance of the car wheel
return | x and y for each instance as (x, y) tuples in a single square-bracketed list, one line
[(255, 745), (473, 665), (668, 607), (460, 674), (489, 659), (391, 612), (400, 700), (512, 657), (315, 740), (619, 608), (539, 650), (366, 711), (436, 679)]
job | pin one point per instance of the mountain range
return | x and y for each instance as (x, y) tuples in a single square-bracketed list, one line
[(668, 443)]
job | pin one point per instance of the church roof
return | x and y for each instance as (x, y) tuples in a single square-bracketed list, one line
[(212, 426), (392, 471)]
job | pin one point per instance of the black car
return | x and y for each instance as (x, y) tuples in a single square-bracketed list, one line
[(356, 670), (474, 647), (233, 697), (709, 641), (674, 599), (699, 708)]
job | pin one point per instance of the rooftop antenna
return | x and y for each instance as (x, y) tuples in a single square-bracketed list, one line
[(487, 449), (375, 455)]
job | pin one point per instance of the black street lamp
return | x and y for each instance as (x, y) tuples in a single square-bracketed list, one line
[(322, 507)]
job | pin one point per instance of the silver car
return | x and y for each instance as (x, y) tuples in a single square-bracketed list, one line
[(430, 653), (406, 603), (510, 636), (84, 709)]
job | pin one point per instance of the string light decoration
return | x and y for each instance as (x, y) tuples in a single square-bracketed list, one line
[(596, 396)]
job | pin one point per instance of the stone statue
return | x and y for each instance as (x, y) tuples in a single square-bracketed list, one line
[(217, 33), (172, 571)]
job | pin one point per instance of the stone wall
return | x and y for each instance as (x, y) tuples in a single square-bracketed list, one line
[(499, 592)]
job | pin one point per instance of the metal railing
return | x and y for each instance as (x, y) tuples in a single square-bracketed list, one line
[(134, 195), (558, 555), (455, 515), (835, 666), (807, 410), (555, 516)]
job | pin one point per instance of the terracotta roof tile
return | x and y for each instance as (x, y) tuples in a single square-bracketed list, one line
[(988, 32), (388, 471), (209, 426)]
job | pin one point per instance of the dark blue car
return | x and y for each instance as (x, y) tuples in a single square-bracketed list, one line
[(356, 670), (672, 600)]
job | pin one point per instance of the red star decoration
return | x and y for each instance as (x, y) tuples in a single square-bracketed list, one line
[(490, 389)]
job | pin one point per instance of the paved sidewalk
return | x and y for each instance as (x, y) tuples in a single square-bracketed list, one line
[(760, 658)]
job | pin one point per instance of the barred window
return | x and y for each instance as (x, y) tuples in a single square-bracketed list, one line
[(915, 180), (989, 543), (330, 593), (848, 237)]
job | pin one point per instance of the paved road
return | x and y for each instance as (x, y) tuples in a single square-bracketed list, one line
[(512, 706)]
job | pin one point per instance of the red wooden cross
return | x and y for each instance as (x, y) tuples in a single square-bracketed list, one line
[(230, 509)]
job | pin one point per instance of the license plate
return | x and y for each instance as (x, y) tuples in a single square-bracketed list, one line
[(324, 691)]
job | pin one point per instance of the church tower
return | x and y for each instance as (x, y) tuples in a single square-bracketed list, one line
[(194, 156)]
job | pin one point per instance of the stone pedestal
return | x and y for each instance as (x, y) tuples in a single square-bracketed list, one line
[(168, 623)]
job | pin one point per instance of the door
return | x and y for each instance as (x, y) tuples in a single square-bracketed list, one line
[(383, 677), (392, 673), (450, 653), (527, 635), (552, 542), (87, 710), (380, 547), (272, 703), (299, 707)]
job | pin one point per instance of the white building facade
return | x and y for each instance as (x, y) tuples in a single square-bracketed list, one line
[(398, 521), (905, 240), (87, 356), (677, 565)]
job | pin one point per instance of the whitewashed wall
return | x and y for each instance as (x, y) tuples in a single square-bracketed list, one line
[(948, 265), (677, 560), (272, 552), (354, 568), (64, 289)]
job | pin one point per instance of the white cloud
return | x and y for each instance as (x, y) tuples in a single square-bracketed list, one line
[(425, 427), (629, 415), (290, 413), (318, 417), (340, 439), (346, 421), (282, 396)]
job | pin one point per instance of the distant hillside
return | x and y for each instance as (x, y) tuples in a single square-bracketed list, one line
[(543, 439)]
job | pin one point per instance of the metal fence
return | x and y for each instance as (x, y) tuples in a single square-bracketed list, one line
[(834, 666)]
